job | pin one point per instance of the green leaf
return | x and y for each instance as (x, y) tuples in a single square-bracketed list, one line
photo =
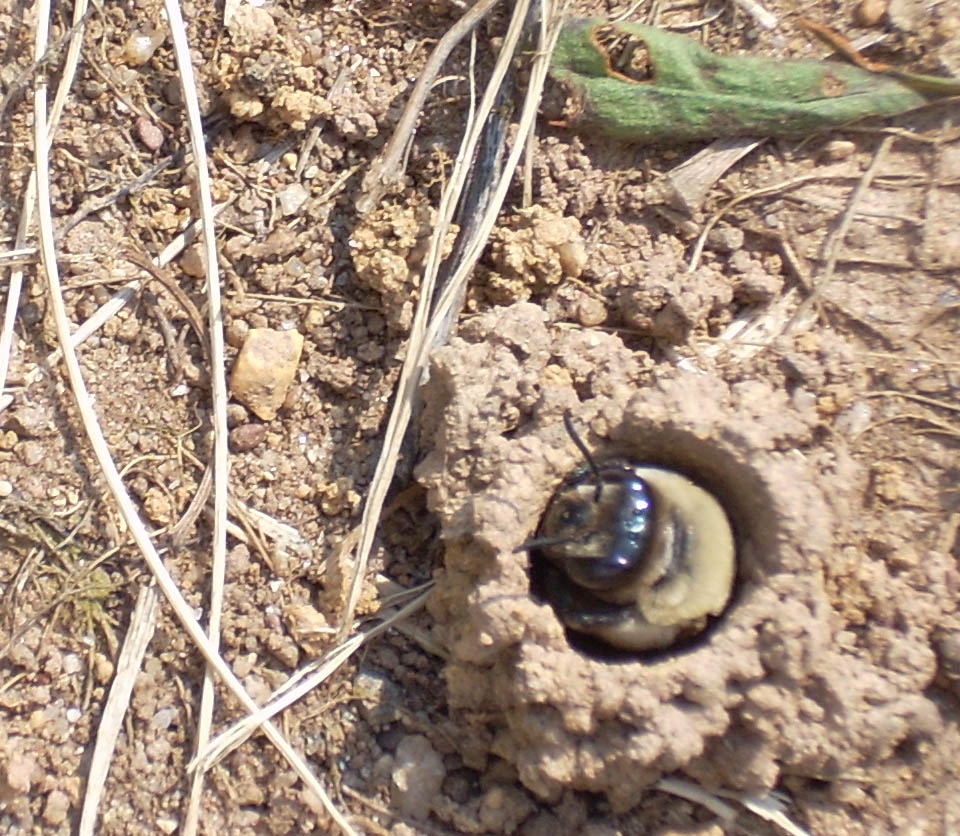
[(640, 83)]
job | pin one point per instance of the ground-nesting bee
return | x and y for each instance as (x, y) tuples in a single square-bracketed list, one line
[(637, 556)]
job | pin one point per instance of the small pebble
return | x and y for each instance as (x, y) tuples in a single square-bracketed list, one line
[(257, 688), (251, 24), (238, 561), (30, 421), (31, 453), (590, 312), (380, 697), (72, 663), (140, 46), (157, 506), (869, 12), (192, 261), (725, 239), (102, 668), (418, 774), (740, 261), (237, 415), (246, 437), (293, 395), (265, 369), (286, 652), (162, 719), (573, 257), (148, 133), (57, 807), (292, 198), (237, 332), (308, 627), (837, 149), (855, 419), (243, 664), (167, 824)]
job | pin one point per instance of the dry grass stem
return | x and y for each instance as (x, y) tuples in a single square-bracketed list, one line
[(894, 393), (387, 169), (142, 623), (95, 434), (15, 285), (188, 86), (304, 681), (831, 248), (422, 331)]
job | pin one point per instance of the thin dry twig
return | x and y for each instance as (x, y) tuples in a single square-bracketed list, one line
[(97, 204), (221, 462), (98, 443), (708, 18), (426, 329), (797, 264), (831, 247), (304, 681), (736, 201), (135, 643), (123, 296), (193, 314), (15, 286), (387, 169), (627, 13), (935, 427), (913, 396)]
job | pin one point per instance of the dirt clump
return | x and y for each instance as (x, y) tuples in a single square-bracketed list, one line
[(778, 688)]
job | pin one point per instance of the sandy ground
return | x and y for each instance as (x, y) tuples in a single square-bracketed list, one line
[(809, 381)]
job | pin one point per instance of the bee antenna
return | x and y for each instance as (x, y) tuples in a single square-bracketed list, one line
[(540, 542), (575, 437)]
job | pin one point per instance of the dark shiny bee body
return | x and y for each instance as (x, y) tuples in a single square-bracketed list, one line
[(639, 557)]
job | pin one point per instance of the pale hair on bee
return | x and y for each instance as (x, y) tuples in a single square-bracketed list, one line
[(636, 556)]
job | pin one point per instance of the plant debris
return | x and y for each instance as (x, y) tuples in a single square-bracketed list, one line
[(641, 83)]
